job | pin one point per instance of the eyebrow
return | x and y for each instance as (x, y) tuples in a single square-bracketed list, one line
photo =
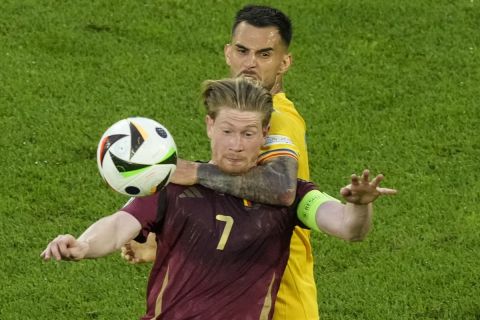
[(232, 124), (259, 51)]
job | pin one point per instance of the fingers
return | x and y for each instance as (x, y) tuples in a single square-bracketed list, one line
[(59, 248), (63, 250), (366, 176), (365, 179), (127, 253), (135, 253), (386, 191), (45, 255), (376, 181), (355, 180), (346, 191), (363, 191), (53, 251)]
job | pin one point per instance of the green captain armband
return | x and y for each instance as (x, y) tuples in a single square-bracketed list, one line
[(307, 208)]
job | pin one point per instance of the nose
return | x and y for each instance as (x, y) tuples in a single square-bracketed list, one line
[(236, 143), (250, 61)]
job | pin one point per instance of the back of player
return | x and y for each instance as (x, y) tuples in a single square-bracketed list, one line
[(297, 298)]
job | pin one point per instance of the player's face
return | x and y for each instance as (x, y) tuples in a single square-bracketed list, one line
[(258, 53), (235, 138)]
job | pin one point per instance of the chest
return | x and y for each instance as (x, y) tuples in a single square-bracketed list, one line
[(215, 221)]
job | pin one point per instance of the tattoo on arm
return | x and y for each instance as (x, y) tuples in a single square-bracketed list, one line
[(274, 182)]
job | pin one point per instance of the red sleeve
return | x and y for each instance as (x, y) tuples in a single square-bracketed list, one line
[(149, 211), (303, 187)]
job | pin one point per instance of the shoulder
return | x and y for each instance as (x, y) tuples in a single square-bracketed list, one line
[(281, 101), (282, 105), (194, 191), (285, 115)]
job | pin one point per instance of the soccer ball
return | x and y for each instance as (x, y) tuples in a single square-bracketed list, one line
[(136, 156)]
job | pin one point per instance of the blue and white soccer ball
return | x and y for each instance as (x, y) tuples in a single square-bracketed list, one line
[(137, 156)]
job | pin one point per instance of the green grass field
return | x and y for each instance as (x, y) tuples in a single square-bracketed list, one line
[(389, 85)]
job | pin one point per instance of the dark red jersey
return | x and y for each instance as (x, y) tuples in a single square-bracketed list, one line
[(218, 256)]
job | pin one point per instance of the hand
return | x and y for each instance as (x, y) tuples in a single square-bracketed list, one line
[(135, 252), (65, 247), (186, 173), (364, 191)]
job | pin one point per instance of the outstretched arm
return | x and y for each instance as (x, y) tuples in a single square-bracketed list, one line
[(351, 221), (273, 182), (100, 239)]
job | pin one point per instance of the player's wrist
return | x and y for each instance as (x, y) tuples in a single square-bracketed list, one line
[(359, 202)]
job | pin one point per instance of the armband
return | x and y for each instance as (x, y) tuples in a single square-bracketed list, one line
[(307, 208)]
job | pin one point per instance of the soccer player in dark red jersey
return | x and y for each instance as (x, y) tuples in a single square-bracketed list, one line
[(219, 256)]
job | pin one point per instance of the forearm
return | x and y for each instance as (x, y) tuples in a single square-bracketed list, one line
[(272, 183), (357, 220), (349, 221), (108, 234)]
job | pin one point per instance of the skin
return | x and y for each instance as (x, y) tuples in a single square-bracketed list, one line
[(351, 221), (259, 53), (354, 221), (236, 138)]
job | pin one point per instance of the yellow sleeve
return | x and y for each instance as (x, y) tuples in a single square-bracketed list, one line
[(280, 140), (286, 136)]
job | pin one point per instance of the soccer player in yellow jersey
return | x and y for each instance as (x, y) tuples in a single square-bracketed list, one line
[(259, 49), (297, 297)]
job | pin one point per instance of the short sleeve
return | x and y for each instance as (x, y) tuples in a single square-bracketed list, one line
[(149, 211), (280, 140)]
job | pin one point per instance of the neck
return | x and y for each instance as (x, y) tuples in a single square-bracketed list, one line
[(277, 87)]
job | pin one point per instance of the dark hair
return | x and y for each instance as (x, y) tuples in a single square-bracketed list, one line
[(243, 94), (263, 16)]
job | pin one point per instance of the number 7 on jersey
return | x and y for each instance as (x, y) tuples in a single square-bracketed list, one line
[(226, 230)]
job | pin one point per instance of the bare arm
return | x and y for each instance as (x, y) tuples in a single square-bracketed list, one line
[(351, 221), (273, 182), (100, 239)]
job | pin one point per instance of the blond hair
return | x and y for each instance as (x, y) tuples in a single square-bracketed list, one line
[(240, 93)]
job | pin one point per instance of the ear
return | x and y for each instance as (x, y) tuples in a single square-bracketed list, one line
[(265, 133), (227, 51), (265, 130), (209, 124), (286, 63)]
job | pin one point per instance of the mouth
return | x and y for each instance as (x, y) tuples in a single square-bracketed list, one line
[(235, 161), (249, 74)]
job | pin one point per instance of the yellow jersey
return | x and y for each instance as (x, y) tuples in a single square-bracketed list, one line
[(297, 297)]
